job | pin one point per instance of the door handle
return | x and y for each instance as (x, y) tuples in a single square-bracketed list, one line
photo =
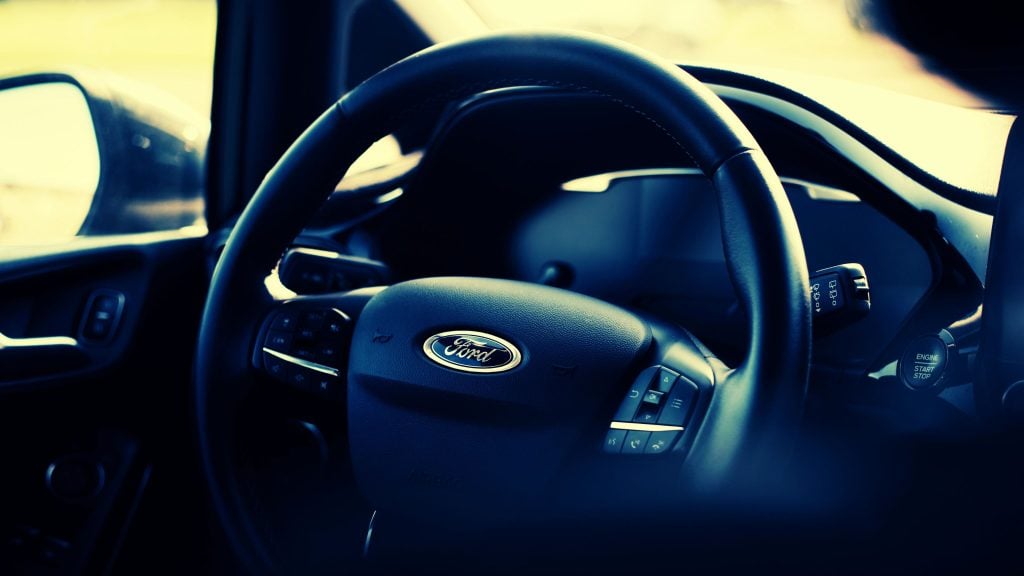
[(48, 342), (22, 358)]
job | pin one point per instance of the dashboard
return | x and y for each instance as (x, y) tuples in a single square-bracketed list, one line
[(572, 190)]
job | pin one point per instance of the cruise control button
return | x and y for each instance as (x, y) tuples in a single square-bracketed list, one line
[(660, 442), (614, 440), (679, 403), (635, 442), (280, 341)]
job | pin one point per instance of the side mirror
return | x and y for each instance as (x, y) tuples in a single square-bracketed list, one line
[(85, 154), (50, 167)]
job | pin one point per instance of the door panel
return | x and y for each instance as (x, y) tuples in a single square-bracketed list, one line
[(94, 372)]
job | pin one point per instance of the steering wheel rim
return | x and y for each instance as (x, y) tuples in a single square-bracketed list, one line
[(752, 411)]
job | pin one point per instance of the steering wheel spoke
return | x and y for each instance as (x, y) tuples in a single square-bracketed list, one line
[(665, 404), (303, 342)]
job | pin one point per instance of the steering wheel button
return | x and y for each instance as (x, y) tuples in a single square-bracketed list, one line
[(324, 386), (280, 341), (299, 377), (660, 442), (275, 366), (666, 378), (630, 404), (334, 327), (305, 354), (614, 440), (313, 319), (635, 394), (653, 397), (648, 414), (679, 402), (328, 355), (635, 442), (285, 321)]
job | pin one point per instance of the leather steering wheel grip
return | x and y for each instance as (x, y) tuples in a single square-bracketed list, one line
[(750, 408)]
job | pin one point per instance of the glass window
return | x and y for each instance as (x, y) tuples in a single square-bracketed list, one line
[(105, 107), (819, 37)]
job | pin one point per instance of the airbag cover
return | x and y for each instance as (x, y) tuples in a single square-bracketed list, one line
[(429, 437)]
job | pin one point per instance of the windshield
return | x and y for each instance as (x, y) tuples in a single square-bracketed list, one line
[(819, 37)]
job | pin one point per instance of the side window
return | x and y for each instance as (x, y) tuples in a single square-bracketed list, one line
[(104, 109)]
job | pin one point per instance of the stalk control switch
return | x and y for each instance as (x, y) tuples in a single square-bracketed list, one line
[(840, 295)]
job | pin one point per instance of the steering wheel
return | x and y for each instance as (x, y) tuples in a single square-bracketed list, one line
[(470, 394)]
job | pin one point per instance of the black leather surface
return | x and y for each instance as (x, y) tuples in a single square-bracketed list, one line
[(756, 409), (432, 440), (688, 112), (762, 244), (235, 305)]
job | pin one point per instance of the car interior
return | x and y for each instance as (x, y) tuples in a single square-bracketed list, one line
[(420, 292)]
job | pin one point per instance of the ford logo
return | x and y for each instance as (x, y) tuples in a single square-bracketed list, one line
[(472, 351)]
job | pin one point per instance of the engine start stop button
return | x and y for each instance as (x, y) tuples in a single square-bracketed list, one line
[(923, 363)]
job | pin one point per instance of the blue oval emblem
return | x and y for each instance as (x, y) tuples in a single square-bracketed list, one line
[(470, 351)]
